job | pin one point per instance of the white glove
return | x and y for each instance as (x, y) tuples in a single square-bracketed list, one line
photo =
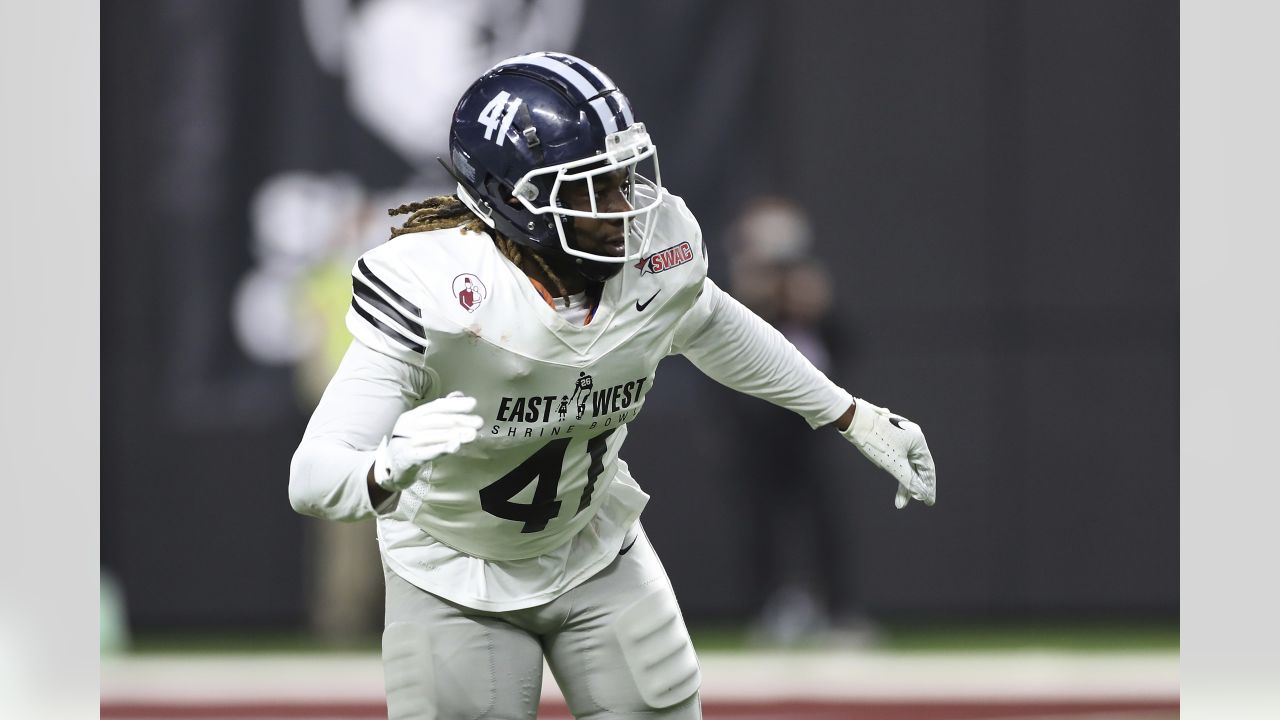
[(897, 445), (421, 435)]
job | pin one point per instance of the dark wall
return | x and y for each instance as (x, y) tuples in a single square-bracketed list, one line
[(994, 186)]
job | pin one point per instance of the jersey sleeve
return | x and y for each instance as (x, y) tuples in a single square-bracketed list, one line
[(734, 347), (386, 312), (328, 474)]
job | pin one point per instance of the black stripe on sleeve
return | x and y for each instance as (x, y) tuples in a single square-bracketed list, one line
[(390, 331), (385, 288), (368, 295)]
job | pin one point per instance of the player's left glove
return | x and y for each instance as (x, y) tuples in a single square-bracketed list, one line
[(897, 445), (440, 427)]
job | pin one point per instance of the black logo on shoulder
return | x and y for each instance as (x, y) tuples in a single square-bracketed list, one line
[(897, 422), (640, 307)]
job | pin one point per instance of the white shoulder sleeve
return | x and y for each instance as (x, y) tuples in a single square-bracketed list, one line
[(327, 478), (737, 349), (383, 314)]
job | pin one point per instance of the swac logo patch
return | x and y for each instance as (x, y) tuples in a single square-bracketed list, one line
[(469, 291), (666, 259)]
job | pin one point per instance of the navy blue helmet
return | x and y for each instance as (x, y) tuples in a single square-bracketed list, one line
[(533, 123)]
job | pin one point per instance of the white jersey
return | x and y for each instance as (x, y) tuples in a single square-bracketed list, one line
[(556, 398), (540, 501)]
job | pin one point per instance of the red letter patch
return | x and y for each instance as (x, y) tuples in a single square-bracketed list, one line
[(666, 259)]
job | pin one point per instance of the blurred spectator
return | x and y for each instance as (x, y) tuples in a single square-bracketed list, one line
[(113, 622), (794, 510)]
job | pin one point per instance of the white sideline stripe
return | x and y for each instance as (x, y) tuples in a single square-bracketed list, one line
[(867, 676)]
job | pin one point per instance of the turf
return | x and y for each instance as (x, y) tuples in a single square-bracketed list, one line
[(894, 637)]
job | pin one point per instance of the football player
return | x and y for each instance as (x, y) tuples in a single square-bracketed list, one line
[(561, 269)]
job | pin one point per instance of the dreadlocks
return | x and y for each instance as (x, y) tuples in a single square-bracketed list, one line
[(447, 211)]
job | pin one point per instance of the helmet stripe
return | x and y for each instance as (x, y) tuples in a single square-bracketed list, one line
[(599, 81), (575, 80)]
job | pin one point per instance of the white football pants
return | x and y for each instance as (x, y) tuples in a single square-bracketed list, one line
[(616, 644)]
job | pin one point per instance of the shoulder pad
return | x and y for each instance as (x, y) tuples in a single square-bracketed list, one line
[(386, 312), (678, 242), (402, 290)]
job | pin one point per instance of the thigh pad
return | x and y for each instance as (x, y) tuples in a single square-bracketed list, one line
[(420, 687), (657, 649)]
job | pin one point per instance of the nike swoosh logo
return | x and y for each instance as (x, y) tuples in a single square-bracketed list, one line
[(897, 422), (624, 550), (640, 308)]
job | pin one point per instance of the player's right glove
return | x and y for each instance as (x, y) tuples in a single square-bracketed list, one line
[(421, 435), (897, 445)]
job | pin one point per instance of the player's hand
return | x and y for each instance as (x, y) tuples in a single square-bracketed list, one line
[(421, 435), (897, 445)]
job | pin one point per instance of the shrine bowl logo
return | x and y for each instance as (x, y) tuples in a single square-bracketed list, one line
[(469, 291), (666, 259)]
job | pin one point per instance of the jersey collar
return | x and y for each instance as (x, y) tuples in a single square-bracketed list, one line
[(551, 301)]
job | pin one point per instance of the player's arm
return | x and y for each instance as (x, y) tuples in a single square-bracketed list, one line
[(368, 439), (331, 473), (734, 347)]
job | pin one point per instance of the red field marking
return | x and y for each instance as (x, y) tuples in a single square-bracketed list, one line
[(712, 710)]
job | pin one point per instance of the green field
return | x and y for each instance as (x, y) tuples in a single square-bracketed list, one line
[(895, 637)]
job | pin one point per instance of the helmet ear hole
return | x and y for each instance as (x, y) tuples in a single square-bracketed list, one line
[(496, 190)]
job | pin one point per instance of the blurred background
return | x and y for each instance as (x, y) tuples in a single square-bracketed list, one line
[(966, 211)]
